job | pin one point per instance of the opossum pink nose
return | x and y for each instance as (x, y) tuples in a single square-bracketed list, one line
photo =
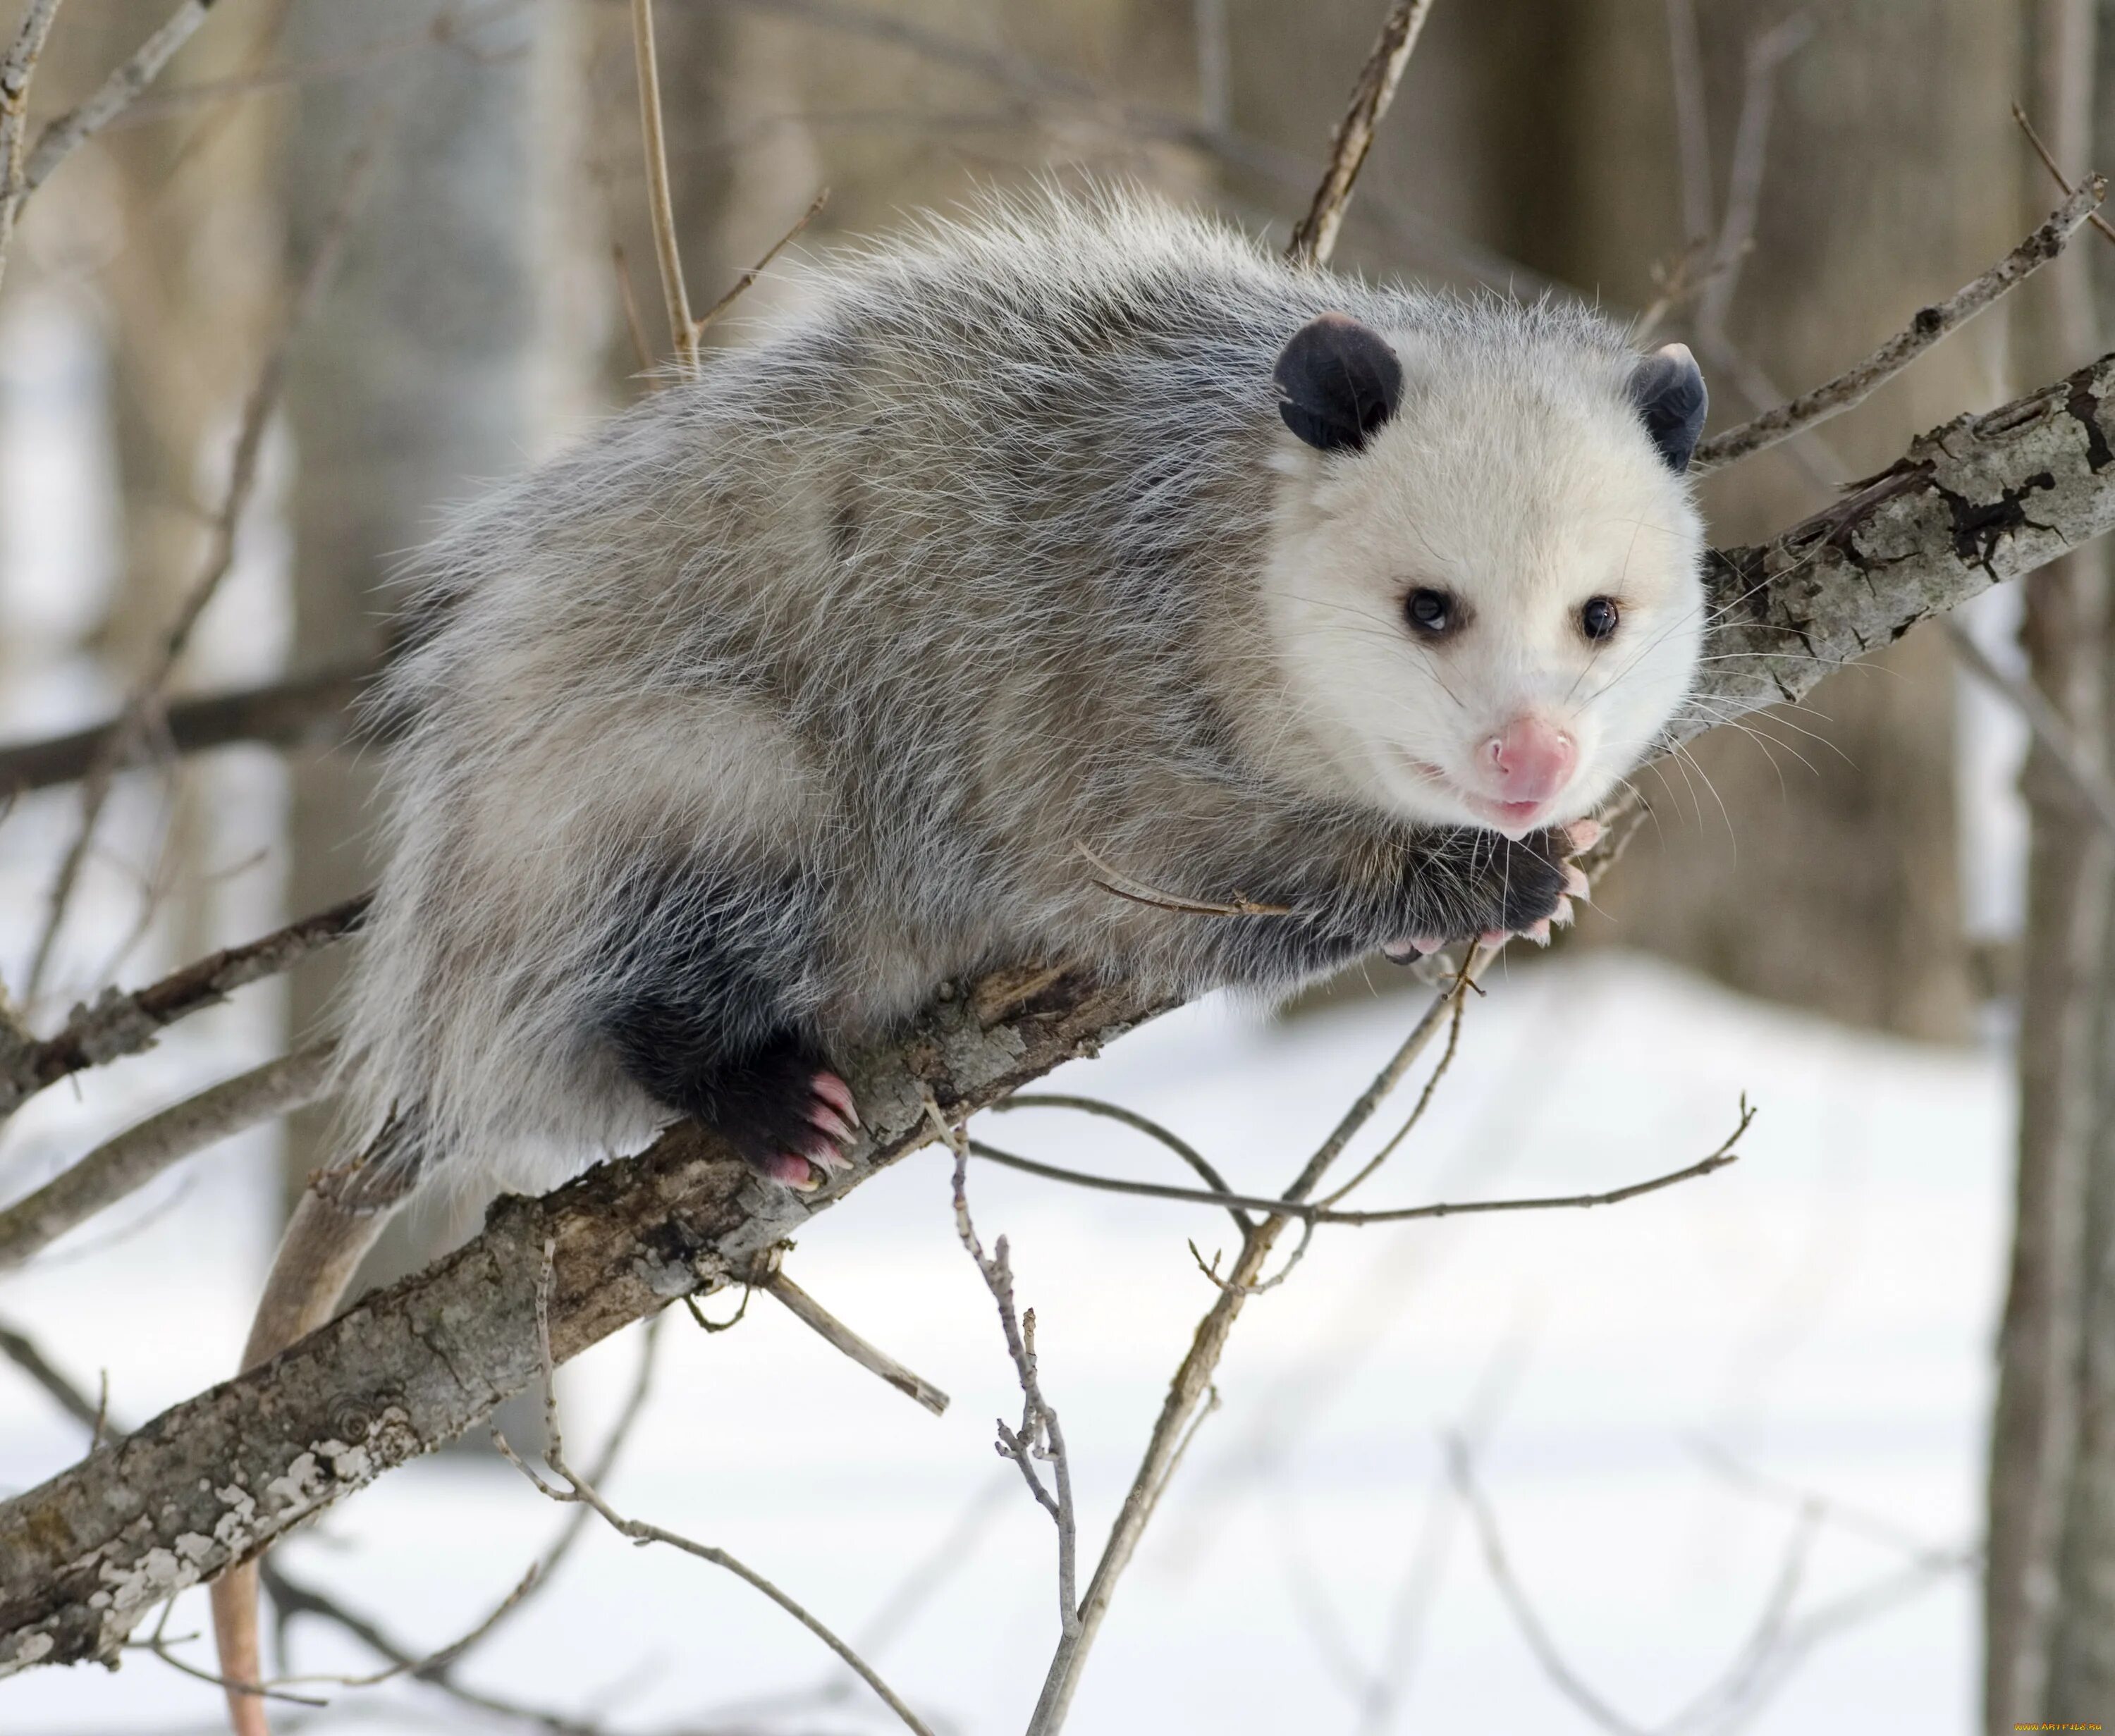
[(1531, 759)]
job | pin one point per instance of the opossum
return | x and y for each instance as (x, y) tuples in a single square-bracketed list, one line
[(1074, 539)]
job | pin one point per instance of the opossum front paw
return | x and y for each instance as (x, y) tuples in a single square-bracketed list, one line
[(792, 1118), (1541, 881)]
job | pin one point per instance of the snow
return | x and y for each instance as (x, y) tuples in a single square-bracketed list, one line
[(1819, 1313)]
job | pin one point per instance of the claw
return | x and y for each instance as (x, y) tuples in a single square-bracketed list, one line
[(792, 1172), (1584, 834), (838, 1094), (832, 1121), (825, 1152)]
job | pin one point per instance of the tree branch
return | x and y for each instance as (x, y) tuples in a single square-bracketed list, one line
[(315, 708), (1855, 385), (117, 1025), (83, 1557)]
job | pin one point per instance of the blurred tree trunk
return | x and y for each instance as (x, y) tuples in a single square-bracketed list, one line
[(1817, 864), (186, 292), (2049, 1595), (413, 386)]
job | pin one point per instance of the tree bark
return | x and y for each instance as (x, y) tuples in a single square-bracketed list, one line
[(85, 1557)]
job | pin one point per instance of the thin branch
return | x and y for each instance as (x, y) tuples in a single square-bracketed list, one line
[(132, 726), (1314, 237), (661, 206), (119, 1024), (114, 94), (1767, 53), (18, 67), (1856, 384), (129, 1161), (1039, 1436), (1725, 1154), (21, 1350), (313, 707), (835, 1333), (629, 301), (2095, 794), (2056, 171), (1423, 1098), (741, 283), (579, 1488), (1121, 885), (1129, 1118)]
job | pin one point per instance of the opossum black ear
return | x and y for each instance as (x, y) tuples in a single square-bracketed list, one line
[(1338, 382), (1667, 388)]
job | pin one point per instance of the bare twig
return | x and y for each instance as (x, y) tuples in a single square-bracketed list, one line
[(661, 205), (119, 1024), (114, 94), (1192, 1384), (20, 1349), (1720, 279), (1853, 386), (1692, 127), (2056, 171), (742, 283), (1129, 1118), (18, 67), (1726, 1153), (629, 301), (311, 707), (1039, 1436), (132, 727), (2096, 796), (1121, 885), (834, 1332), (135, 1157), (579, 1488), (1462, 985), (1314, 237)]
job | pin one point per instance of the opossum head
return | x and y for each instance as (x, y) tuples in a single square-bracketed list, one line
[(1484, 587)]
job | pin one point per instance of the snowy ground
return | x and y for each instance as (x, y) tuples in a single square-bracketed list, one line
[(1821, 1313)]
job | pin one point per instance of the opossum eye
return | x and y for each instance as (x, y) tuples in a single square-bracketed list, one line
[(1432, 613), (1598, 619)]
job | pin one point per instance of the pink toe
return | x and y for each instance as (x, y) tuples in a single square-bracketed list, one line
[(838, 1094), (1539, 933), (1584, 834), (1427, 943), (1562, 914), (1576, 882), (783, 1166), (1494, 937)]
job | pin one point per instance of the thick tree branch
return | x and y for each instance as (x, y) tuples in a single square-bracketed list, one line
[(85, 1557)]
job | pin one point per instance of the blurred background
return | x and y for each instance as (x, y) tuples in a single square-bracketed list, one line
[(1825, 1442)]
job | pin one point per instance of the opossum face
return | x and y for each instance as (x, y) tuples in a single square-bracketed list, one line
[(1484, 592)]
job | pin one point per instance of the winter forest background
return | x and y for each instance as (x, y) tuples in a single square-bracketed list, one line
[(1720, 1459)]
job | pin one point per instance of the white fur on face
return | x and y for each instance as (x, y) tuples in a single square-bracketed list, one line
[(1521, 489)]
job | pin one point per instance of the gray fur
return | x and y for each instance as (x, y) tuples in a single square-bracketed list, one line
[(956, 571)]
